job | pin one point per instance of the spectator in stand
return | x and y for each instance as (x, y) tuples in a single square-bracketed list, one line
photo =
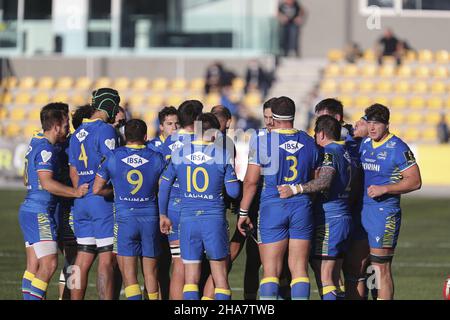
[(257, 78), (389, 46), (442, 131), (214, 77), (353, 52), (291, 16)]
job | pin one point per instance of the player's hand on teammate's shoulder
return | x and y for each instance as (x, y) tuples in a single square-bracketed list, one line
[(376, 191), (82, 190), (285, 191), (165, 224)]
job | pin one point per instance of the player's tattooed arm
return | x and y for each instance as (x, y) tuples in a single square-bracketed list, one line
[(322, 182)]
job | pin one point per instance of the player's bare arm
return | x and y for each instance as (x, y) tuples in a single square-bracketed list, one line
[(411, 181), (73, 174), (101, 188), (251, 180), (321, 183), (58, 189)]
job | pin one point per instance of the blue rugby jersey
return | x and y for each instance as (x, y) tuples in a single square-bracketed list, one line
[(134, 171), (383, 163), (286, 156), (201, 173), (89, 145), (157, 143)]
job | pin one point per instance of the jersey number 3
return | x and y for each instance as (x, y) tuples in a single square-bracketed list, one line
[(292, 169)]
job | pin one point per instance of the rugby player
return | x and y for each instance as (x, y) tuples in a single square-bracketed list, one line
[(35, 215), (202, 169), (95, 139), (168, 124), (286, 156), (334, 108), (390, 170), (188, 113), (134, 171)]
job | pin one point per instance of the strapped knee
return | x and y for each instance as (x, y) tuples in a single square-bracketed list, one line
[(381, 259), (108, 248), (175, 251), (88, 248)]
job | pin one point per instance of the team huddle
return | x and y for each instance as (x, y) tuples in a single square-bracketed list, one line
[(331, 202)]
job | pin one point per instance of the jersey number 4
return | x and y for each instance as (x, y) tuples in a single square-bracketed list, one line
[(83, 156)]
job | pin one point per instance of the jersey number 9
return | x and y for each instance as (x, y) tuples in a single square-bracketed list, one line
[(135, 182)]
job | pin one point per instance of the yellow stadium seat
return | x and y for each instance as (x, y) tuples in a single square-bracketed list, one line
[(179, 84), (362, 102), (252, 100), (9, 82), (31, 129), (197, 84), (399, 102), (369, 70), (347, 86), (397, 118), (425, 56), (417, 102), (381, 100), (23, 98), (174, 100), (432, 118), (79, 99), (356, 116), (412, 134), (140, 84), (3, 113), (238, 84), (447, 103), (156, 100), (332, 70), (212, 99), (347, 101), (46, 83), (328, 86), (60, 97), (369, 55), (429, 135), (350, 70), (384, 87), (438, 87), (435, 103), (422, 72), (440, 72), (12, 130), (17, 114), (6, 98), (389, 60), (387, 71), (83, 83), (136, 101), (420, 87), (414, 118), (102, 82), (121, 83), (34, 114), (64, 83), (335, 55), (442, 57), (402, 87), (27, 83), (410, 56), (194, 96), (41, 98), (404, 71), (159, 84), (396, 131), (149, 117), (366, 86)]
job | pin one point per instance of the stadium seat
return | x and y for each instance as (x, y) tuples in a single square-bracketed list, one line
[(435, 103), (399, 102), (64, 83), (328, 86), (429, 135), (61, 97), (396, 131), (440, 72), (22, 98), (80, 99), (12, 130), (422, 72), (6, 98), (414, 118), (3, 114), (212, 99), (83, 83), (197, 85), (412, 134), (149, 117), (350, 70), (17, 114), (347, 101), (31, 129), (425, 56), (41, 99), (252, 100), (447, 103), (420, 87), (9, 82), (382, 100), (369, 70), (178, 84), (384, 86), (34, 114), (174, 100), (45, 83), (397, 118), (194, 96), (27, 83), (140, 84), (102, 82), (387, 71), (121, 84), (410, 56), (369, 55), (356, 116), (347, 86), (417, 102), (156, 100), (432, 118), (402, 87), (332, 70), (238, 84), (335, 55), (442, 57), (404, 71), (366, 86), (362, 102), (136, 101), (438, 87), (159, 84), (389, 60)]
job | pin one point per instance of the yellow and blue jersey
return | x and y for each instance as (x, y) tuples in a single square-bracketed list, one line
[(334, 202), (286, 156), (89, 144), (202, 169), (383, 163), (40, 156), (134, 171), (157, 143)]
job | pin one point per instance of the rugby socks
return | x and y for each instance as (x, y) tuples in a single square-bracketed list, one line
[(38, 289), (153, 296), (191, 292), (207, 298), (26, 284), (329, 293), (133, 292), (222, 294), (268, 288), (300, 288), (340, 292)]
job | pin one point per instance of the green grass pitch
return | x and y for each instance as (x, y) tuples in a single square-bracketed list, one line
[(421, 264)]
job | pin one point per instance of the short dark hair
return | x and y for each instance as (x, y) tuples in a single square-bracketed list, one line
[(189, 111), (333, 106), (268, 103), (51, 117), (284, 107), (135, 130), (54, 106), (377, 112), (330, 126), (221, 112), (166, 111), (82, 112), (209, 121)]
